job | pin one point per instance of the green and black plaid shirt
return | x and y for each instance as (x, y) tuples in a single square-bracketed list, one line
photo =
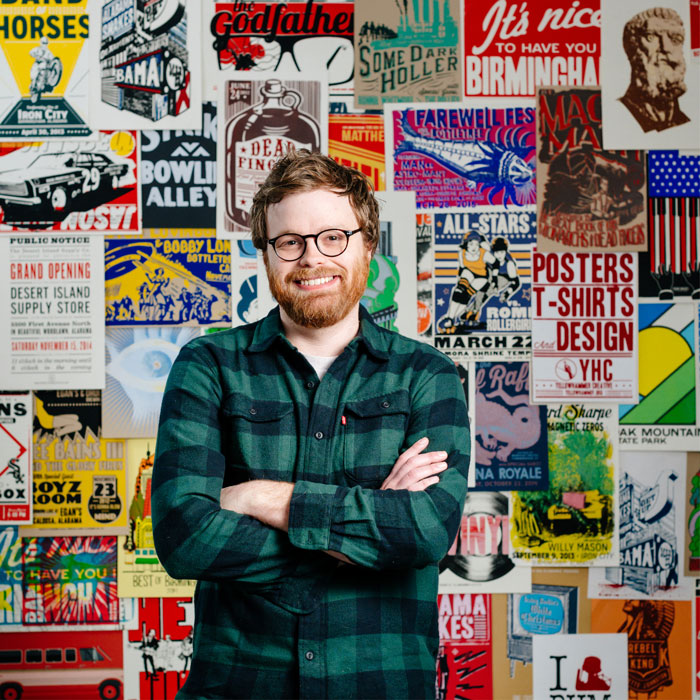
[(276, 616)]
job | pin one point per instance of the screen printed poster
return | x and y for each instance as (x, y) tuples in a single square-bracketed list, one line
[(263, 116), (158, 652), (81, 186), (52, 291), (70, 580), (666, 417), (44, 68), (15, 458), (584, 327), (510, 433), (575, 520), (270, 36), (512, 48), (178, 175), (464, 657), (588, 198), (479, 559), (482, 282), (692, 515), (140, 571), (652, 527), (659, 643), (462, 156), (10, 577), (147, 60), (244, 282), (357, 140), (79, 477), (168, 277)]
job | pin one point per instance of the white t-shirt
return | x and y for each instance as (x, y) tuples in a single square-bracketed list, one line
[(320, 364)]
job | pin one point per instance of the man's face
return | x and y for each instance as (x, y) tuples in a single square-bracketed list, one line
[(658, 64), (316, 291)]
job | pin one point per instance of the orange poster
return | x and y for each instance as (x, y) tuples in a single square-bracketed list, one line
[(358, 140)]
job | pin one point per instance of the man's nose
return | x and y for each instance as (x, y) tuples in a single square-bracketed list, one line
[(312, 255), (666, 43)]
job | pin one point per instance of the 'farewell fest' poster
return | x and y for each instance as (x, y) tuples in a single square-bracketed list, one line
[(263, 116), (44, 68), (666, 417), (148, 64), (178, 175), (584, 327), (588, 198), (70, 580), (464, 658), (79, 477), (482, 282), (271, 36), (158, 653), (138, 361), (406, 52), (575, 520), (459, 156), (140, 571), (64, 186), (10, 577), (512, 48), (15, 458), (357, 140), (170, 277), (659, 634), (510, 433), (652, 515), (479, 558), (692, 518), (52, 291)]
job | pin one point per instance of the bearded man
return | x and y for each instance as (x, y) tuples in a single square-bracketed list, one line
[(291, 476), (653, 42)]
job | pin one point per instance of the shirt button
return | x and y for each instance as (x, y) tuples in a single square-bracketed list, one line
[(309, 385), (253, 411), (318, 435), (309, 655), (385, 404)]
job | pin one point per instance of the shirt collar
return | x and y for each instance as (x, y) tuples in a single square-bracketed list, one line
[(270, 329)]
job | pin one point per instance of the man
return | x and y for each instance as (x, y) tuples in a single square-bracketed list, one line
[(653, 42), (292, 478)]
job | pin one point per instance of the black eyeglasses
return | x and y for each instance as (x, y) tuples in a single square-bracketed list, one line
[(331, 243)]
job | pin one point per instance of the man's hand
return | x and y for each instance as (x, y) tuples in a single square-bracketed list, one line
[(266, 501), (415, 471)]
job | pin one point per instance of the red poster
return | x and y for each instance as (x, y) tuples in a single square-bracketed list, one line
[(695, 28), (512, 47)]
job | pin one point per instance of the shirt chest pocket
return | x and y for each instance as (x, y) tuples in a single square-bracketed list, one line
[(375, 429), (259, 437)]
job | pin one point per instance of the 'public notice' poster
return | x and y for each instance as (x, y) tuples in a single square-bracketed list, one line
[(15, 458)]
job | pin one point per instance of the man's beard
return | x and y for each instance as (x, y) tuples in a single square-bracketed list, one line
[(320, 309), (657, 81)]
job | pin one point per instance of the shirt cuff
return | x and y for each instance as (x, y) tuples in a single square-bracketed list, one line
[(310, 514)]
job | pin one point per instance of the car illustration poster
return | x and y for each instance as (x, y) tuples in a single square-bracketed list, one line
[(548, 43), (148, 64), (15, 458), (666, 416), (71, 186), (140, 572), (464, 655), (510, 433), (294, 37), (465, 155), (584, 327), (575, 521), (651, 98), (10, 577), (70, 580), (357, 140), (168, 277), (79, 476), (652, 516), (44, 67), (406, 52), (692, 515), (178, 175), (588, 198), (52, 291), (263, 116), (138, 361), (482, 282)]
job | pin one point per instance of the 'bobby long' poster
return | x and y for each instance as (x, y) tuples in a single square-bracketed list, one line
[(15, 458)]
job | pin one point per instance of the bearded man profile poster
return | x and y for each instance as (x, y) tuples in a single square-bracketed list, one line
[(653, 99)]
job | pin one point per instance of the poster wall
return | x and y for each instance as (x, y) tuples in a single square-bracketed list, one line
[(15, 455)]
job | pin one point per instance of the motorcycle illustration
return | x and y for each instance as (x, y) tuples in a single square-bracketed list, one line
[(46, 72)]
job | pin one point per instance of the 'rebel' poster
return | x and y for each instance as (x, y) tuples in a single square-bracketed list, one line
[(588, 198), (44, 67), (584, 327), (465, 155), (512, 48), (147, 59), (15, 458)]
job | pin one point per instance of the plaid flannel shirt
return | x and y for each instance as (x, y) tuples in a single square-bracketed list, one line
[(275, 615)]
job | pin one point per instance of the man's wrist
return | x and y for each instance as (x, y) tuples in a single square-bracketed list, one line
[(268, 502)]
